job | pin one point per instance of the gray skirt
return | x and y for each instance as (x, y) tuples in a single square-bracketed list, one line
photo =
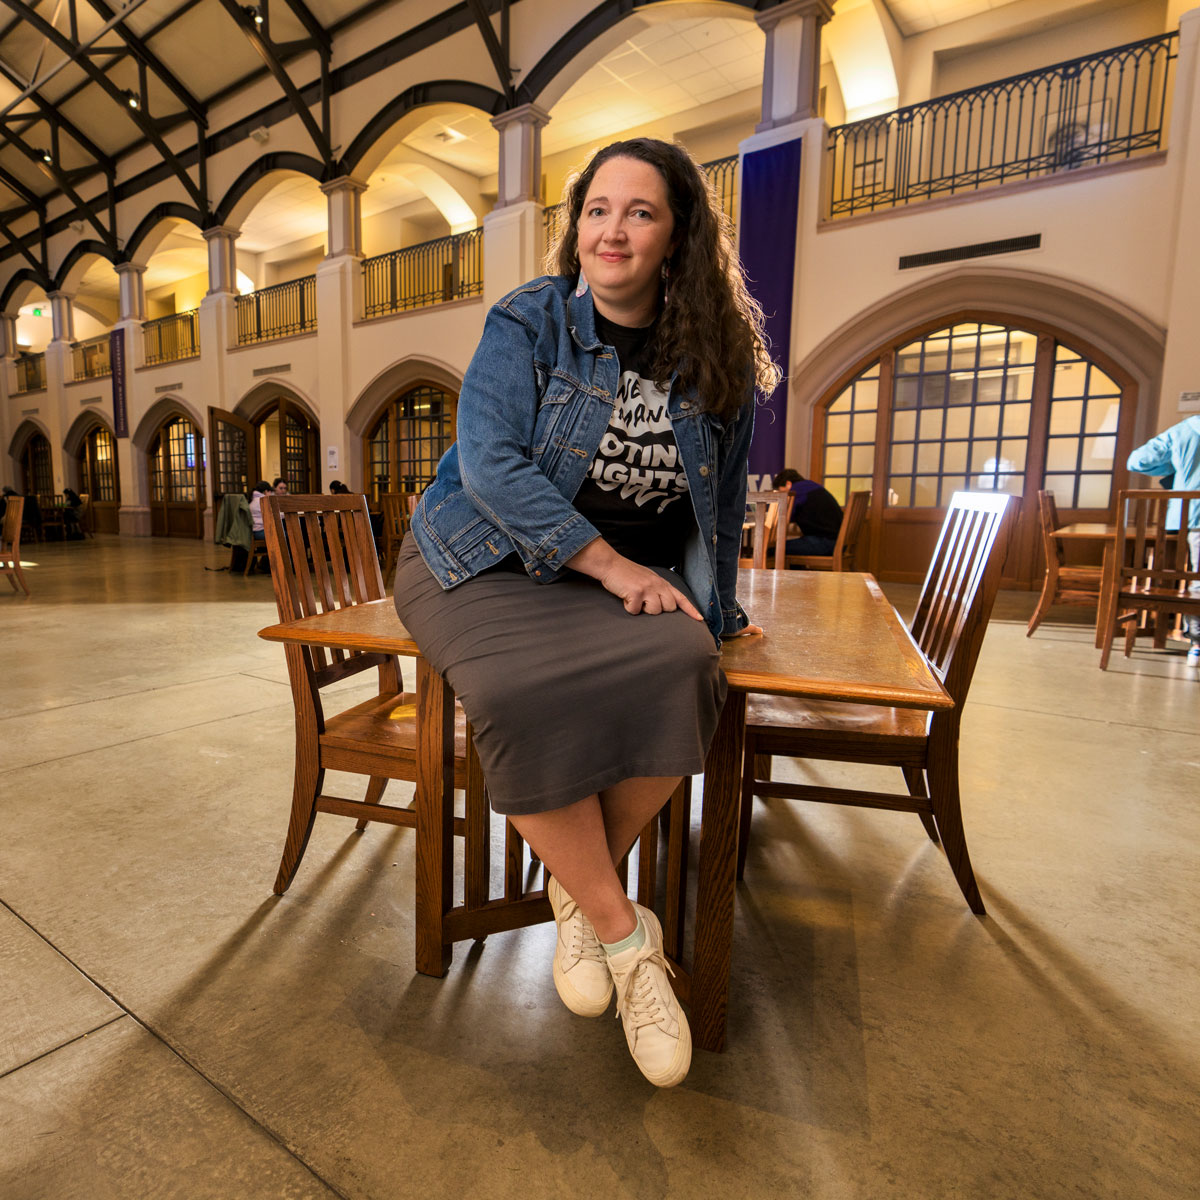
[(567, 693)]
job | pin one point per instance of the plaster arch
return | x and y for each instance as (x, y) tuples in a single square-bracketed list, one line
[(19, 288), (78, 262), (391, 381), (1013, 296), (156, 416), (403, 113), (155, 228), (267, 391), (603, 29), (83, 424), (257, 180), (28, 428)]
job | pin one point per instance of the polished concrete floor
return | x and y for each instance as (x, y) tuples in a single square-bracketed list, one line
[(168, 1028)]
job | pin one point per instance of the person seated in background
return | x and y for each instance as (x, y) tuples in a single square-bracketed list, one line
[(72, 511), (261, 488), (338, 488), (814, 511), (279, 487)]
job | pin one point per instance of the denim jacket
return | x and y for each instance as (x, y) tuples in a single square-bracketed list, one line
[(535, 403)]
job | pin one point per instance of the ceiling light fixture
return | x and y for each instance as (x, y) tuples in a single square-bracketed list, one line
[(131, 99), (44, 155)]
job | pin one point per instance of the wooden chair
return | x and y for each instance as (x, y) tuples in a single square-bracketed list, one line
[(10, 543), (1149, 572), (771, 511), (949, 624), (842, 558), (377, 738), (51, 506), (397, 513), (257, 552), (1063, 584)]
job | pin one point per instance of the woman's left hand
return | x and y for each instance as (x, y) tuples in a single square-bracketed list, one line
[(750, 631)]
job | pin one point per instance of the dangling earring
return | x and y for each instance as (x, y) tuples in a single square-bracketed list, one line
[(666, 281), (581, 285)]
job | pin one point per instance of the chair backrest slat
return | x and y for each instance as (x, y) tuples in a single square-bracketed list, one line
[(13, 514), (1151, 547), (851, 527), (960, 586), (1048, 513)]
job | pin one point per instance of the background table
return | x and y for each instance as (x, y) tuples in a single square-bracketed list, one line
[(829, 636)]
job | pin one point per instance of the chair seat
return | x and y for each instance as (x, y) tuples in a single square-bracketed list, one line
[(386, 727), (866, 722), (813, 562), (1091, 575)]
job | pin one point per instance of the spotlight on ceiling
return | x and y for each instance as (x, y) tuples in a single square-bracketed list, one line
[(255, 14), (44, 155), (131, 99)]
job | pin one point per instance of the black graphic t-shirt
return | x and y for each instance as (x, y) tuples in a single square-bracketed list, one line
[(636, 492)]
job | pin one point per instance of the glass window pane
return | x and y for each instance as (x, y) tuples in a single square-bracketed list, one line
[(1066, 417), (954, 457), (862, 460), (1016, 420), (906, 393), (935, 355), (844, 401), (958, 422), (1022, 347), (929, 458), (860, 483), (950, 485), (866, 395), (962, 389), (990, 388), (836, 461), (1012, 450), (900, 492), (1101, 416), (924, 492), (931, 425), (864, 427), (904, 426), (1098, 453), (1019, 385), (1070, 379), (1095, 491), (908, 360), (1100, 384), (987, 420), (983, 457), (837, 430), (1062, 454), (902, 459), (962, 355), (1064, 354), (1012, 484), (836, 488)]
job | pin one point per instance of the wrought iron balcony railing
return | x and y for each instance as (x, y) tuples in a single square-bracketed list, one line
[(282, 310), (433, 272), (1098, 109), (170, 339), (91, 359), (31, 372)]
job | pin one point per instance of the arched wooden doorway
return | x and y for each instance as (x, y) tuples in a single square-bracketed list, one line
[(175, 470), (99, 477), (969, 403), (281, 440), (37, 467), (408, 436)]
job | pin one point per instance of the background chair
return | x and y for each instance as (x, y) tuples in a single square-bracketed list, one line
[(50, 505), (10, 543), (1063, 584), (397, 513), (842, 558), (87, 518), (322, 557), (770, 516), (1148, 573), (949, 624)]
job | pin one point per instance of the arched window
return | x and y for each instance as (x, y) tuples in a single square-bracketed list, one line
[(175, 470), (411, 433), (982, 406), (37, 468), (99, 479)]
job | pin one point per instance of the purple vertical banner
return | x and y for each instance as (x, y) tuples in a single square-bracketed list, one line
[(116, 358), (767, 242)]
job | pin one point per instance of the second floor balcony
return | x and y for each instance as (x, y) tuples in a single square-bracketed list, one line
[(31, 372), (433, 272), (1103, 108), (90, 359), (284, 310), (170, 339)]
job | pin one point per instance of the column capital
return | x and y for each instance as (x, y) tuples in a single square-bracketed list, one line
[(525, 114), (220, 231), (59, 295), (821, 9), (343, 183), (129, 268)]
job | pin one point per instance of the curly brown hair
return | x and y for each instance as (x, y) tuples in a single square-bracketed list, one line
[(710, 327)]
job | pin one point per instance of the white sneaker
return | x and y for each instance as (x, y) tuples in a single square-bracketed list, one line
[(1193, 655), (655, 1027), (580, 964)]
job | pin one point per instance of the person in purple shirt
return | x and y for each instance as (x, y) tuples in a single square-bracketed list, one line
[(814, 510)]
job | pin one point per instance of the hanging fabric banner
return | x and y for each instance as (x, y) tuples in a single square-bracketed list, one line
[(767, 241), (116, 358)]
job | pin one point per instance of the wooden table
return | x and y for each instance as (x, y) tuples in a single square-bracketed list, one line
[(830, 636)]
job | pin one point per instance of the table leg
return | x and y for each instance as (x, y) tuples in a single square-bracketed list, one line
[(717, 876), (435, 819)]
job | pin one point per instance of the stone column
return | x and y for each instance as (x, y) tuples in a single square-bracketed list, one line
[(512, 231), (8, 336), (60, 370), (339, 305), (792, 61), (130, 277)]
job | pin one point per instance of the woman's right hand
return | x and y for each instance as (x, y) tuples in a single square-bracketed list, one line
[(640, 589)]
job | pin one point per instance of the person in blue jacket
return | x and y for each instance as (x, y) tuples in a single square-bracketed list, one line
[(572, 569), (1176, 452)]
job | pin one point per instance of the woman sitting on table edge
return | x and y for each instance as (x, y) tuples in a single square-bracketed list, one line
[(603, 431)]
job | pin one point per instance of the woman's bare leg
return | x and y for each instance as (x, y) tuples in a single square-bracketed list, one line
[(629, 806), (571, 842)]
